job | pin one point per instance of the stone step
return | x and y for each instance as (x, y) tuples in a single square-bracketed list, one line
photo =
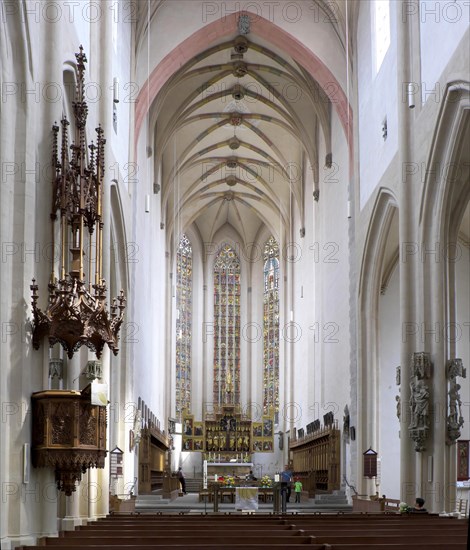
[(193, 485), (331, 500), (148, 503), (148, 498), (331, 503), (151, 505)]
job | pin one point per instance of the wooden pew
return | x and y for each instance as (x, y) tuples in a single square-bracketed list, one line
[(179, 538), (260, 532), (218, 546)]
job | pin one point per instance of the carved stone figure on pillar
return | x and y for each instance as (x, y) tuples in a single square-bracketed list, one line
[(398, 400), (346, 423), (419, 405), (419, 399), (455, 419), (398, 397)]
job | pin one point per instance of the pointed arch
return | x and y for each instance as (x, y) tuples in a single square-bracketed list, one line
[(444, 201), (369, 288)]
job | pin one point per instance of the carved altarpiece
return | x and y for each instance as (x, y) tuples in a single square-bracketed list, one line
[(227, 433)]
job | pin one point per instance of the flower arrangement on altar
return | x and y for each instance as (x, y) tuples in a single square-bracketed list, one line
[(404, 508), (228, 481), (266, 482)]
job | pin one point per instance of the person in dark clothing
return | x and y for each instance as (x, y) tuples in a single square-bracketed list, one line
[(286, 480), (182, 480), (419, 506)]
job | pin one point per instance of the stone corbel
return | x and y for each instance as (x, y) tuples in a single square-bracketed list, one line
[(419, 399), (455, 419)]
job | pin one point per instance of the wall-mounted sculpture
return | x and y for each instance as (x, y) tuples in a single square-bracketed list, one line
[(455, 419), (419, 399), (346, 420), (398, 397)]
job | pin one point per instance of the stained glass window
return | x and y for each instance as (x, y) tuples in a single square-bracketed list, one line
[(271, 327), (184, 272), (227, 327)]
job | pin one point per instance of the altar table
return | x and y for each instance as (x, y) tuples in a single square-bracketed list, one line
[(246, 498)]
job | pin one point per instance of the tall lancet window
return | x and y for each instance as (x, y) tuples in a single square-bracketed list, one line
[(271, 327), (227, 327), (184, 279)]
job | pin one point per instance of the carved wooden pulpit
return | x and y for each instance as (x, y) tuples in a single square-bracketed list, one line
[(69, 434)]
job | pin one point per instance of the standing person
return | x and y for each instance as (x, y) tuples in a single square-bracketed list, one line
[(182, 480), (297, 489), (286, 480)]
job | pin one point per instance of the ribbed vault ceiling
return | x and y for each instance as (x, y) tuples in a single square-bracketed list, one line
[(234, 130)]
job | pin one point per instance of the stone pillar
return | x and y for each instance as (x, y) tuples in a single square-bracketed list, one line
[(72, 503), (291, 365), (408, 254), (71, 519), (101, 40), (207, 375), (93, 493), (101, 476)]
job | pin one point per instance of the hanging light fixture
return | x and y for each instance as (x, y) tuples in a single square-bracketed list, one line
[(76, 313)]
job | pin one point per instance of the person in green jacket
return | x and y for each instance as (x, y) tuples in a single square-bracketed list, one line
[(297, 489)]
